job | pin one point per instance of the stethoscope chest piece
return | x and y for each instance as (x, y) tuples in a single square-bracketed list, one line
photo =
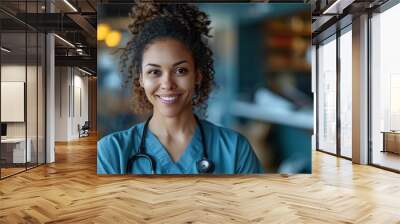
[(205, 166)]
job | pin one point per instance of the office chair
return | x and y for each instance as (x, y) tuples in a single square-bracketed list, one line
[(84, 130)]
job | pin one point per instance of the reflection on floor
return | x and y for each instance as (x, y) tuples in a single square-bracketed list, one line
[(387, 159), (10, 169)]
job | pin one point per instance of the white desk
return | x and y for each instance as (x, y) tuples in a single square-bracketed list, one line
[(18, 150)]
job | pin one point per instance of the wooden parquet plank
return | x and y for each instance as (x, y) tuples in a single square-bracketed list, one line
[(70, 191)]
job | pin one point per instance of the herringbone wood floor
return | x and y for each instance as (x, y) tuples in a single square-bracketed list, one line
[(69, 191)]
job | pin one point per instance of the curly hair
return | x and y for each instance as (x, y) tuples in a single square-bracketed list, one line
[(152, 21)]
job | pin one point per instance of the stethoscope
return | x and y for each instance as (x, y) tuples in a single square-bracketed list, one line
[(204, 165)]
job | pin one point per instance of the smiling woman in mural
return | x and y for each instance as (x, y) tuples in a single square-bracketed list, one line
[(171, 67)]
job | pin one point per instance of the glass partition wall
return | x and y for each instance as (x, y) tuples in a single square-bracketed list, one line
[(345, 61), (22, 88), (334, 130), (385, 89), (13, 109), (327, 95), (334, 71)]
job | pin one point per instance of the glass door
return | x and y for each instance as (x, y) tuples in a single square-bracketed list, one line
[(346, 92), (327, 95)]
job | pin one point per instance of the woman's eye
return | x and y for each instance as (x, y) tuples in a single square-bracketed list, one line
[(153, 72), (181, 71)]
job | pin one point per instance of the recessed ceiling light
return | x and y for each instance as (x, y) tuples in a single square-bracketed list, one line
[(337, 7), (70, 5), (5, 49), (84, 71), (64, 40)]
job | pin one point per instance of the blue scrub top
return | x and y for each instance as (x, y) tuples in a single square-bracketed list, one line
[(230, 152)]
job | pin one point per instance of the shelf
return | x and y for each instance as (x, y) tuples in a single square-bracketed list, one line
[(286, 42), (298, 119)]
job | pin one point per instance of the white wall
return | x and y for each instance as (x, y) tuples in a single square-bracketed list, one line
[(70, 83), (61, 103)]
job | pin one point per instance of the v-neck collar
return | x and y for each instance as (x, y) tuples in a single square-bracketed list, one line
[(187, 160)]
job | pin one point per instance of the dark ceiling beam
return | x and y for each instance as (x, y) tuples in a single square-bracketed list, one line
[(91, 5), (87, 51), (16, 18), (82, 61), (52, 23), (81, 21), (337, 7), (322, 22), (86, 26), (45, 22), (330, 14)]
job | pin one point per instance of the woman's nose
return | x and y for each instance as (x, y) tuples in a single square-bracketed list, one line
[(168, 82)]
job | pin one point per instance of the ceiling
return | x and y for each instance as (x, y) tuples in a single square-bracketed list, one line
[(76, 24), (330, 15)]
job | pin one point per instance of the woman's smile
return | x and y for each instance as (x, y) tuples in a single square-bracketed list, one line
[(169, 98)]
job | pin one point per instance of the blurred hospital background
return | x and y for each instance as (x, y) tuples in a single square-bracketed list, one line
[(262, 55)]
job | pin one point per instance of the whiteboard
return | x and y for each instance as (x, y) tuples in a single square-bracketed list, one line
[(12, 101)]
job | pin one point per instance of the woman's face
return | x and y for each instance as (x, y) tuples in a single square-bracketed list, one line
[(169, 77)]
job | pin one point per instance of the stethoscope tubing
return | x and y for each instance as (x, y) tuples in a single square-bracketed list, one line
[(143, 154)]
